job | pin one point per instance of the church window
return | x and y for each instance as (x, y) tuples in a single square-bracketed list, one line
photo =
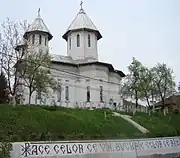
[(33, 39), (40, 38), (39, 95), (66, 93), (59, 93), (78, 40), (88, 94), (69, 42), (101, 94), (89, 40), (45, 41)]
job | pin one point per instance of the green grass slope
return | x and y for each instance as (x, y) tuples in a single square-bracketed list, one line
[(23, 123), (159, 125)]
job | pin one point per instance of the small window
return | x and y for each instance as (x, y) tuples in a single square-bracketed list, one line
[(101, 94), (40, 38), (78, 40), (59, 93), (88, 94), (39, 95), (89, 40), (66, 93), (45, 41), (69, 42), (33, 39)]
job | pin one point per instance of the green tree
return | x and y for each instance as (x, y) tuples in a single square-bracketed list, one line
[(132, 84), (164, 81), (36, 73), (146, 84), (3, 89)]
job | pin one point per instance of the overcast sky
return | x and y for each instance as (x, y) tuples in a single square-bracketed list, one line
[(148, 30)]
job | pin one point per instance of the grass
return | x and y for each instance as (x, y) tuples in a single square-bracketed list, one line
[(159, 125), (23, 123)]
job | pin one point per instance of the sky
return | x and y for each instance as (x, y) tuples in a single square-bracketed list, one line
[(148, 30)]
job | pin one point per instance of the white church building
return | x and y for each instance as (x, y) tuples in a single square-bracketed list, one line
[(83, 80)]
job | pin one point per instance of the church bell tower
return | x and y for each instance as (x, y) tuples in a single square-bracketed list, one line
[(82, 37), (38, 35)]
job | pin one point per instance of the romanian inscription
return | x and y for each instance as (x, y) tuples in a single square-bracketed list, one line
[(68, 148)]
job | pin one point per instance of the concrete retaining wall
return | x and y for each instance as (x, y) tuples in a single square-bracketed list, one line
[(130, 148)]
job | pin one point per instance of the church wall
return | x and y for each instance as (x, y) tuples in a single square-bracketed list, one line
[(90, 52), (37, 47), (78, 87), (103, 76), (74, 51), (65, 79), (115, 88), (83, 51)]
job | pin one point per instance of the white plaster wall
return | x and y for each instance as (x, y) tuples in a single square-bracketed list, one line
[(36, 47), (83, 51), (98, 76), (114, 88)]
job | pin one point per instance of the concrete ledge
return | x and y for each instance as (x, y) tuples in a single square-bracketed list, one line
[(127, 148)]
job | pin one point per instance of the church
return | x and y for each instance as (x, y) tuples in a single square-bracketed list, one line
[(83, 80)]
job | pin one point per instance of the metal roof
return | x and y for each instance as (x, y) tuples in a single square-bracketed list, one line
[(82, 22), (59, 59), (38, 26), (68, 59)]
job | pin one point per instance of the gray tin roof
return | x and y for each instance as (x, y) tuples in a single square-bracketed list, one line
[(82, 22), (38, 25)]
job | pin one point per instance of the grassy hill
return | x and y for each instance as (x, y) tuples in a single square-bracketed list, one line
[(23, 123), (159, 125)]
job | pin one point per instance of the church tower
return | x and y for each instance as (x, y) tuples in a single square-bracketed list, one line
[(38, 35), (82, 37)]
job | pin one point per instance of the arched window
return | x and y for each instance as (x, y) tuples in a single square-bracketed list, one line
[(45, 41), (101, 94), (88, 94), (59, 93), (69, 42), (89, 40), (78, 40), (33, 39), (40, 38), (67, 93)]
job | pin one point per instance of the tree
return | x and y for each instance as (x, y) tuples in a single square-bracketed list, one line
[(135, 69), (10, 36), (3, 89), (35, 73), (146, 84), (164, 81), (132, 85)]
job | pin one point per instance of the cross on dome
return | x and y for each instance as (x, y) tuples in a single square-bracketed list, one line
[(81, 4), (39, 12)]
